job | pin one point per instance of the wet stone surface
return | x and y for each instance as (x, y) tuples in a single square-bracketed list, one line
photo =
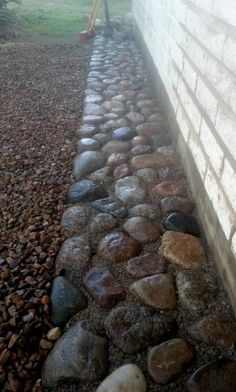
[(143, 287)]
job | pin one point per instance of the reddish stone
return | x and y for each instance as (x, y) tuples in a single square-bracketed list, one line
[(155, 160), (169, 188), (103, 287), (121, 171), (148, 129), (137, 140)]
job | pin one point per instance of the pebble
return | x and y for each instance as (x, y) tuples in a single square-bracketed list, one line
[(176, 203), (169, 359), (117, 247), (186, 223), (142, 229), (129, 190), (85, 190), (121, 171), (157, 291), (149, 211), (79, 354), (145, 265), (87, 162), (103, 222), (115, 146), (75, 219), (156, 160), (66, 300), (215, 329), (74, 256), (103, 287), (112, 206), (169, 188), (54, 333), (123, 134), (197, 290), (215, 376), (182, 249), (127, 378)]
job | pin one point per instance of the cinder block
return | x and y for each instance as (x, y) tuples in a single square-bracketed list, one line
[(207, 100), (213, 150), (228, 181)]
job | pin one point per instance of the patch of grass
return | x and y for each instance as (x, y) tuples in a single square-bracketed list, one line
[(60, 18)]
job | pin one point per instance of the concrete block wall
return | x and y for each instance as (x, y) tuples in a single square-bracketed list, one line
[(192, 45)]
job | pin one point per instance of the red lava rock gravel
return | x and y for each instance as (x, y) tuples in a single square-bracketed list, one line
[(41, 98)]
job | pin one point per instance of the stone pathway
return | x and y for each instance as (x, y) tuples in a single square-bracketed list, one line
[(136, 285)]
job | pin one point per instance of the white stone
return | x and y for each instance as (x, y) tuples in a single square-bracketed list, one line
[(127, 378), (129, 189)]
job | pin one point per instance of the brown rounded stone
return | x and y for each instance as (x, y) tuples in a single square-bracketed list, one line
[(155, 160), (169, 188), (121, 171), (117, 247), (142, 229), (146, 265), (169, 359), (103, 287), (215, 329), (157, 291), (148, 129), (182, 249)]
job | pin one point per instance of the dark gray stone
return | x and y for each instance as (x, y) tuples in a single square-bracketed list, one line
[(112, 206), (124, 134), (186, 223), (85, 190), (87, 162)]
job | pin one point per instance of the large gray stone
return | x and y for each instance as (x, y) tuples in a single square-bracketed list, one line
[(129, 190), (87, 162)]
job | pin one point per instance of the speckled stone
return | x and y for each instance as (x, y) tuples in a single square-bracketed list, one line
[(150, 211), (145, 265), (129, 190), (182, 249), (87, 162), (117, 159), (135, 117), (121, 171), (169, 188), (112, 206), (155, 160), (103, 222), (142, 229), (85, 190), (75, 219), (176, 203)]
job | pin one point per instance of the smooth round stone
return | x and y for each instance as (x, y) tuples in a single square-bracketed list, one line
[(176, 203), (93, 109), (125, 379), (109, 105), (148, 129), (129, 190), (75, 219), (145, 103), (116, 147), (182, 249), (117, 247), (135, 117), (93, 119), (197, 290), (145, 210), (101, 138), (215, 376), (161, 140), (103, 222), (146, 265), (137, 140), (169, 188), (154, 161), (103, 287), (215, 329), (117, 159), (85, 190), (123, 134), (74, 256), (157, 291), (122, 122), (186, 223), (87, 162), (96, 86), (93, 98), (120, 97), (148, 176), (112, 206), (66, 300), (87, 144), (157, 118), (86, 130), (102, 175), (78, 355), (169, 359), (121, 171), (142, 229), (141, 149)]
